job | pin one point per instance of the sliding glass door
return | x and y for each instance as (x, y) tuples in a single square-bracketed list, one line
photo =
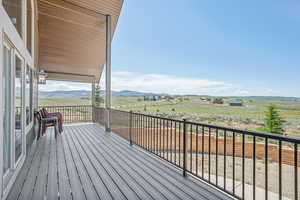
[(13, 111)]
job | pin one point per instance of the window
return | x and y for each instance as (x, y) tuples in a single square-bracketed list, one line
[(29, 25), (14, 11), (28, 95)]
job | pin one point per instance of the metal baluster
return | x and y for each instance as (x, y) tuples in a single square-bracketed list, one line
[(217, 151), (191, 146), (147, 133), (144, 131), (140, 130), (266, 168), (151, 134), (179, 152), (130, 128), (197, 144), (225, 152), (209, 149), (168, 140), (233, 162), (254, 167), (156, 135), (171, 139), (280, 169), (296, 169), (243, 167), (203, 132), (184, 146), (175, 142), (160, 139), (164, 148)]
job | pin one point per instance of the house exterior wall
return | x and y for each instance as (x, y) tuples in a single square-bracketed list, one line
[(9, 32)]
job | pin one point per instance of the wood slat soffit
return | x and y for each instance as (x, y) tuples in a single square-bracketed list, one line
[(72, 36)]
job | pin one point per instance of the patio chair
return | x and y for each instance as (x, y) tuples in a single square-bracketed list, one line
[(45, 122), (46, 114)]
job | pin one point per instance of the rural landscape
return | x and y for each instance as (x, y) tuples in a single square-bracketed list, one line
[(239, 112), (247, 113)]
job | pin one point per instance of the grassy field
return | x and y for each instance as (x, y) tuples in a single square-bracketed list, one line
[(250, 116), (64, 101)]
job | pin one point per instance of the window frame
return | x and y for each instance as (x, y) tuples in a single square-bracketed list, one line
[(31, 98), (7, 175), (23, 123)]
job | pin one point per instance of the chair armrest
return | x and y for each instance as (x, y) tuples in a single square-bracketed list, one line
[(49, 119)]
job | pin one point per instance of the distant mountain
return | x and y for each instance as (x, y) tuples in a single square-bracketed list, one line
[(135, 93), (86, 93), (65, 94), (274, 98)]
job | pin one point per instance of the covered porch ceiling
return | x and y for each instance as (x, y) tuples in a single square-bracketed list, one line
[(72, 37)]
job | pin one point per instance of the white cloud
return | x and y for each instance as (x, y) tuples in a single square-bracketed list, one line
[(62, 85), (172, 85), (159, 83)]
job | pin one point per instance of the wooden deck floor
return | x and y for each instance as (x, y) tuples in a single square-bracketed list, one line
[(87, 163)]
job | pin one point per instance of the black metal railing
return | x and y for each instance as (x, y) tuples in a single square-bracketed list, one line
[(245, 164), (73, 114), (99, 115)]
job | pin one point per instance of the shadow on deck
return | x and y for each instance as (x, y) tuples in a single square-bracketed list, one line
[(87, 163)]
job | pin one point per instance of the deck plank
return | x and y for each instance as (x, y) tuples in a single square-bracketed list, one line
[(109, 181), (170, 173), (189, 184), (76, 186), (156, 188), (170, 187), (81, 170), (64, 187), (85, 162), (98, 183), (124, 175), (21, 179), (52, 182), (40, 188), (29, 184)]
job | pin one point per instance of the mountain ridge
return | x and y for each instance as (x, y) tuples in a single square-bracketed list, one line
[(87, 94)]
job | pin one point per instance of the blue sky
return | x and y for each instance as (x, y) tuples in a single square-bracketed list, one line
[(208, 47)]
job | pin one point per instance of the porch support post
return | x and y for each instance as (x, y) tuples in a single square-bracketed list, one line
[(108, 72), (93, 100), (1, 114)]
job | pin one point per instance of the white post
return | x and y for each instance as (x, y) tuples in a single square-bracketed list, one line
[(1, 114), (93, 100), (108, 72)]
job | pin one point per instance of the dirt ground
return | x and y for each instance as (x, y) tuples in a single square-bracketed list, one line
[(273, 172)]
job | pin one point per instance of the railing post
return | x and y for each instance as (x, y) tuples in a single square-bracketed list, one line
[(184, 147), (130, 127)]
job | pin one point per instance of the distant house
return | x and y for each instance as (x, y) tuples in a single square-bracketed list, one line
[(218, 101), (236, 102), (168, 98), (205, 99), (152, 98)]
